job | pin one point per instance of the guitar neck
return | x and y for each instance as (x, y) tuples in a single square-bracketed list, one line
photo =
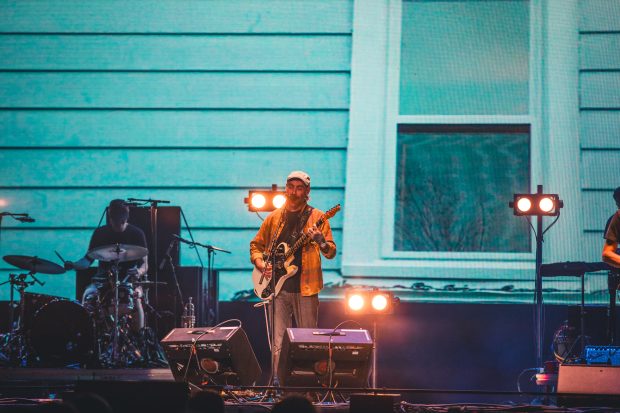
[(303, 239)]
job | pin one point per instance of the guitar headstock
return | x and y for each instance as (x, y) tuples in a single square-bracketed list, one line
[(332, 211)]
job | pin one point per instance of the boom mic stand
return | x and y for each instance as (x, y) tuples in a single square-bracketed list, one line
[(22, 217), (168, 258), (211, 255)]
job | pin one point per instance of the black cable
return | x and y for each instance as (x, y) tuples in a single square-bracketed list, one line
[(191, 236), (553, 223), (329, 348)]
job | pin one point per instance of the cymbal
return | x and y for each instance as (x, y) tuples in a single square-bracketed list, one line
[(34, 264), (149, 283), (118, 253)]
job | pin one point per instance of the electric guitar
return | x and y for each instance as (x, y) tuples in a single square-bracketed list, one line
[(284, 257)]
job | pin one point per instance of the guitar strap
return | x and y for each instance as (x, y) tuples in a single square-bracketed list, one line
[(303, 219)]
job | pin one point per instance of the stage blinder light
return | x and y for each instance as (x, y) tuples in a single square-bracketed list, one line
[(537, 204), (265, 200), (546, 204), (524, 205), (355, 302), (278, 201), (369, 302), (258, 200), (379, 302)]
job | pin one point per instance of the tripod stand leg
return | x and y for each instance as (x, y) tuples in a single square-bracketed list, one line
[(612, 286)]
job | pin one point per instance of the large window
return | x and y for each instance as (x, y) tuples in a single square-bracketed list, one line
[(458, 126), (464, 57), (452, 186)]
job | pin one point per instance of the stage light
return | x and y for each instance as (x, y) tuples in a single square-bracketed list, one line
[(279, 200), (258, 201), (379, 302), (524, 204), (373, 301), (355, 302), (265, 200), (546, 204), (536, 204)]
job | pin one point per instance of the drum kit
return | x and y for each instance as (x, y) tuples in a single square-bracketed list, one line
[(99, 332)]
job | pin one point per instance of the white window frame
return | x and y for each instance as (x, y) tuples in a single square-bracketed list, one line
[(369, 218), (393, 119)]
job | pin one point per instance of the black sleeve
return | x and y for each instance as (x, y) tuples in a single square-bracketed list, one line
[(613, 229), (96, 240), (142, 239)]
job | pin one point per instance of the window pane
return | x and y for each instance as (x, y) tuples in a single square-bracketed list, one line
[(464, 57), (454, 184)]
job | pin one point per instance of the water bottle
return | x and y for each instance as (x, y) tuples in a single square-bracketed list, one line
[(189, 315)]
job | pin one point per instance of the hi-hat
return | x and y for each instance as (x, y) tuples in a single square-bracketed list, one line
[(118, 253), (149, 283), (34, 264)]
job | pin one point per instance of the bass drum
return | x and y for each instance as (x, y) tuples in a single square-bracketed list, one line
[(62, 334)]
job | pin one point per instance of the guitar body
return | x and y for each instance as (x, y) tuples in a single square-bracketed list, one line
[(283, 271)]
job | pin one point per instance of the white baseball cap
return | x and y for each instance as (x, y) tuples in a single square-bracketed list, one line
[(301, 175)]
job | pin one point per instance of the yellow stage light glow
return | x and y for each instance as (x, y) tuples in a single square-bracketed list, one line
[(356, 302), (524, 204), (278, 201), (258, 200), (546, 204), (379, 302)]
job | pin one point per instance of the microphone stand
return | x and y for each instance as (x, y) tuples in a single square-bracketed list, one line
[(168, 258), (23, 217), (211, 250)]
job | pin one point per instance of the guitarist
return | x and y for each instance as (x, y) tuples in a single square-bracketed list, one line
[(612, 257), (298, 297)]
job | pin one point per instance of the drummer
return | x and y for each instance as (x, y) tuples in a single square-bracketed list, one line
[(116, 231)]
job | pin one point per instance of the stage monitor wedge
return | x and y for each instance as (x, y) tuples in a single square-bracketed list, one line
[(304, 357), (223, 356)]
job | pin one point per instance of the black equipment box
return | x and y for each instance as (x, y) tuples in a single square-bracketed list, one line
[(304, 360), (609, 355), (219, 356)]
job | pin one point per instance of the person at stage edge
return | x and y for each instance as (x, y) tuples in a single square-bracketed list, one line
[(612, 235), (298, 297), (116, 231)]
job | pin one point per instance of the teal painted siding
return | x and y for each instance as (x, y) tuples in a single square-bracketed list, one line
[(599, 55), (192, 101)]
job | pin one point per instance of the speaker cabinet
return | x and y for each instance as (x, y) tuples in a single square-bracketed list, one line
[(168, 223), (589, 385), (222, 356), (305, 356)]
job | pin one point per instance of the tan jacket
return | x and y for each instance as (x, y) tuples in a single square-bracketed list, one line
[(311, 273)]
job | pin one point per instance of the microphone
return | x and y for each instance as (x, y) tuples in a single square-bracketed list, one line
[(163, 261), (183, 240), (157, 201), (25, 219)]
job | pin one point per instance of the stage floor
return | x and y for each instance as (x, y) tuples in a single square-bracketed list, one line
[(23, 388)]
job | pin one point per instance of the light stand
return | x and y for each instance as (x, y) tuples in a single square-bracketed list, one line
[(539, 205)]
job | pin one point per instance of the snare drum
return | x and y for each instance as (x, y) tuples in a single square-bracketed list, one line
[(62, 333), (126, 297)]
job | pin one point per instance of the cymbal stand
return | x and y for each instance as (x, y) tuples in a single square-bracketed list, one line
[(16, 337), (115, 333)]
